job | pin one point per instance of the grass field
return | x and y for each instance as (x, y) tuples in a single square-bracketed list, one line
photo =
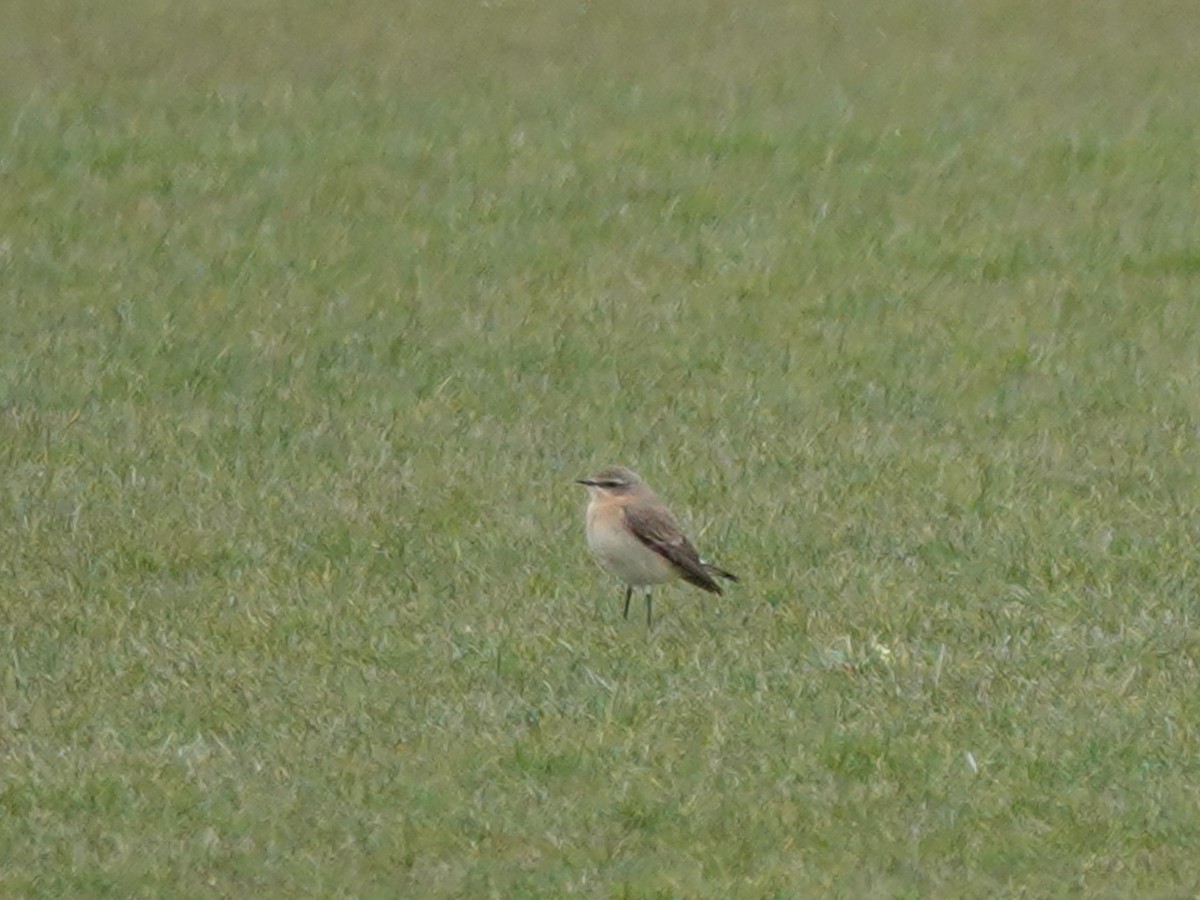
[(311, 313)]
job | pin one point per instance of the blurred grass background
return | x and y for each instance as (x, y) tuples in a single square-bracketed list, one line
[(311, 313)]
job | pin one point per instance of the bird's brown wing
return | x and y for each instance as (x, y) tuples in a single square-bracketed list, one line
[(654, 526)]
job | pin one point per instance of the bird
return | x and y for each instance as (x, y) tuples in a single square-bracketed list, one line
[(633, 535)]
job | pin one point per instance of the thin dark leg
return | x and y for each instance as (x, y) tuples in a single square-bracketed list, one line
[(628, 594), (647, 609)]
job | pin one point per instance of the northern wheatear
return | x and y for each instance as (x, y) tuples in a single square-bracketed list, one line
[(635, 537)]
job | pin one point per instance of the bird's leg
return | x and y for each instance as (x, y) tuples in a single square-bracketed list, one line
[(647, 609), (628, 594)]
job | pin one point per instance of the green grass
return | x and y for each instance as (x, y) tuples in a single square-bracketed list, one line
[(311, 315)]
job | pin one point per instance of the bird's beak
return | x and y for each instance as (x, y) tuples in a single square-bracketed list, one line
[(585, 481)]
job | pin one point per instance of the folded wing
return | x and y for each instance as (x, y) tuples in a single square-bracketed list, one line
[(655, 527)]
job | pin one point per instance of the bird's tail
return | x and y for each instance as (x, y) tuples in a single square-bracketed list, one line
[(717, 570)]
